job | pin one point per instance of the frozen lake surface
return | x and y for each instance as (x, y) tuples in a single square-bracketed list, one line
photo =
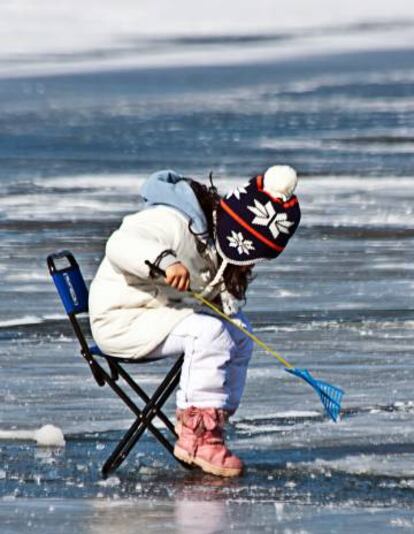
[(338, 301)]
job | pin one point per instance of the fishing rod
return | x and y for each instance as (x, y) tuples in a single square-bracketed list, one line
[(329, 395)]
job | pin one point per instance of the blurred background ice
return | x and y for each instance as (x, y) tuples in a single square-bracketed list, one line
[(67, 36)]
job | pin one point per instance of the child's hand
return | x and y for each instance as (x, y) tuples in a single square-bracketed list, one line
[(178, 276)]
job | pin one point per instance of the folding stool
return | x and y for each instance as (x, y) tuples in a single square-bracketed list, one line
[(73, 292)]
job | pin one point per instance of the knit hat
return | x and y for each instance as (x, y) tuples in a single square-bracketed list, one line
[(256, 221)]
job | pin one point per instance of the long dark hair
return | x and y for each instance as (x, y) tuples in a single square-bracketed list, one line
[(236, 279)]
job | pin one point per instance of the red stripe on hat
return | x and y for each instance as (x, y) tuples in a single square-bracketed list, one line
[(292, 202), (288, 204), (247, 226)]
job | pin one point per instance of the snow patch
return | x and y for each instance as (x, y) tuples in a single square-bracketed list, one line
[(46, 436), (49, 436), (110, 482), (20, 321)]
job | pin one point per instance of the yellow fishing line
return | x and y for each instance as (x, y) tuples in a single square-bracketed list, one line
[(216, 310), (258, 341)]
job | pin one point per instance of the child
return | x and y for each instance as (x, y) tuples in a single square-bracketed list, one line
[(196, 237)]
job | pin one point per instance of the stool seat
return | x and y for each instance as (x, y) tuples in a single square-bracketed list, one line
[(96, 351)]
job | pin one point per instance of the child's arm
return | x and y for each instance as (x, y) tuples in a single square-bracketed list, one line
[(150, 238), (128, 252)]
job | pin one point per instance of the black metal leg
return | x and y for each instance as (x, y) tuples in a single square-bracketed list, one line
[(139, 413), (141, 393), (150, 410), (157, 433)]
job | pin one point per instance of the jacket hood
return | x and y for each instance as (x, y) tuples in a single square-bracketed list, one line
[(168, 188)]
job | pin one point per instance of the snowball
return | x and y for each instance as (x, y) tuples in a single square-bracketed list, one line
[(49, 436)]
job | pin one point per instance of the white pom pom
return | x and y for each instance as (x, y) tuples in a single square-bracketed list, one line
[(280, 181), (49, 436)]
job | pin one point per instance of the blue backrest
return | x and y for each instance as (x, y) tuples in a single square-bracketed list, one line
[(69, 282)]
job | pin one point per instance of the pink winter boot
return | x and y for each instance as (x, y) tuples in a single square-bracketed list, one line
[(201, 442)]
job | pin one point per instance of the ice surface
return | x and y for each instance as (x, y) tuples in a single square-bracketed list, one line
[(202, 515), (338, 301), (378, 465)]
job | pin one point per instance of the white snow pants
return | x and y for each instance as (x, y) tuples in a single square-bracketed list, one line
[(216, 356)]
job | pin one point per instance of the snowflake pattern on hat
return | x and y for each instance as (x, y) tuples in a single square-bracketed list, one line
[(266, 216), (243, 245), (238, 191)]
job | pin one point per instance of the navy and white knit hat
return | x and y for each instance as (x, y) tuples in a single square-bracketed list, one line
[(256, 221)]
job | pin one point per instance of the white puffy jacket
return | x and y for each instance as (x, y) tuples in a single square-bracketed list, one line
[(130, 312)]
